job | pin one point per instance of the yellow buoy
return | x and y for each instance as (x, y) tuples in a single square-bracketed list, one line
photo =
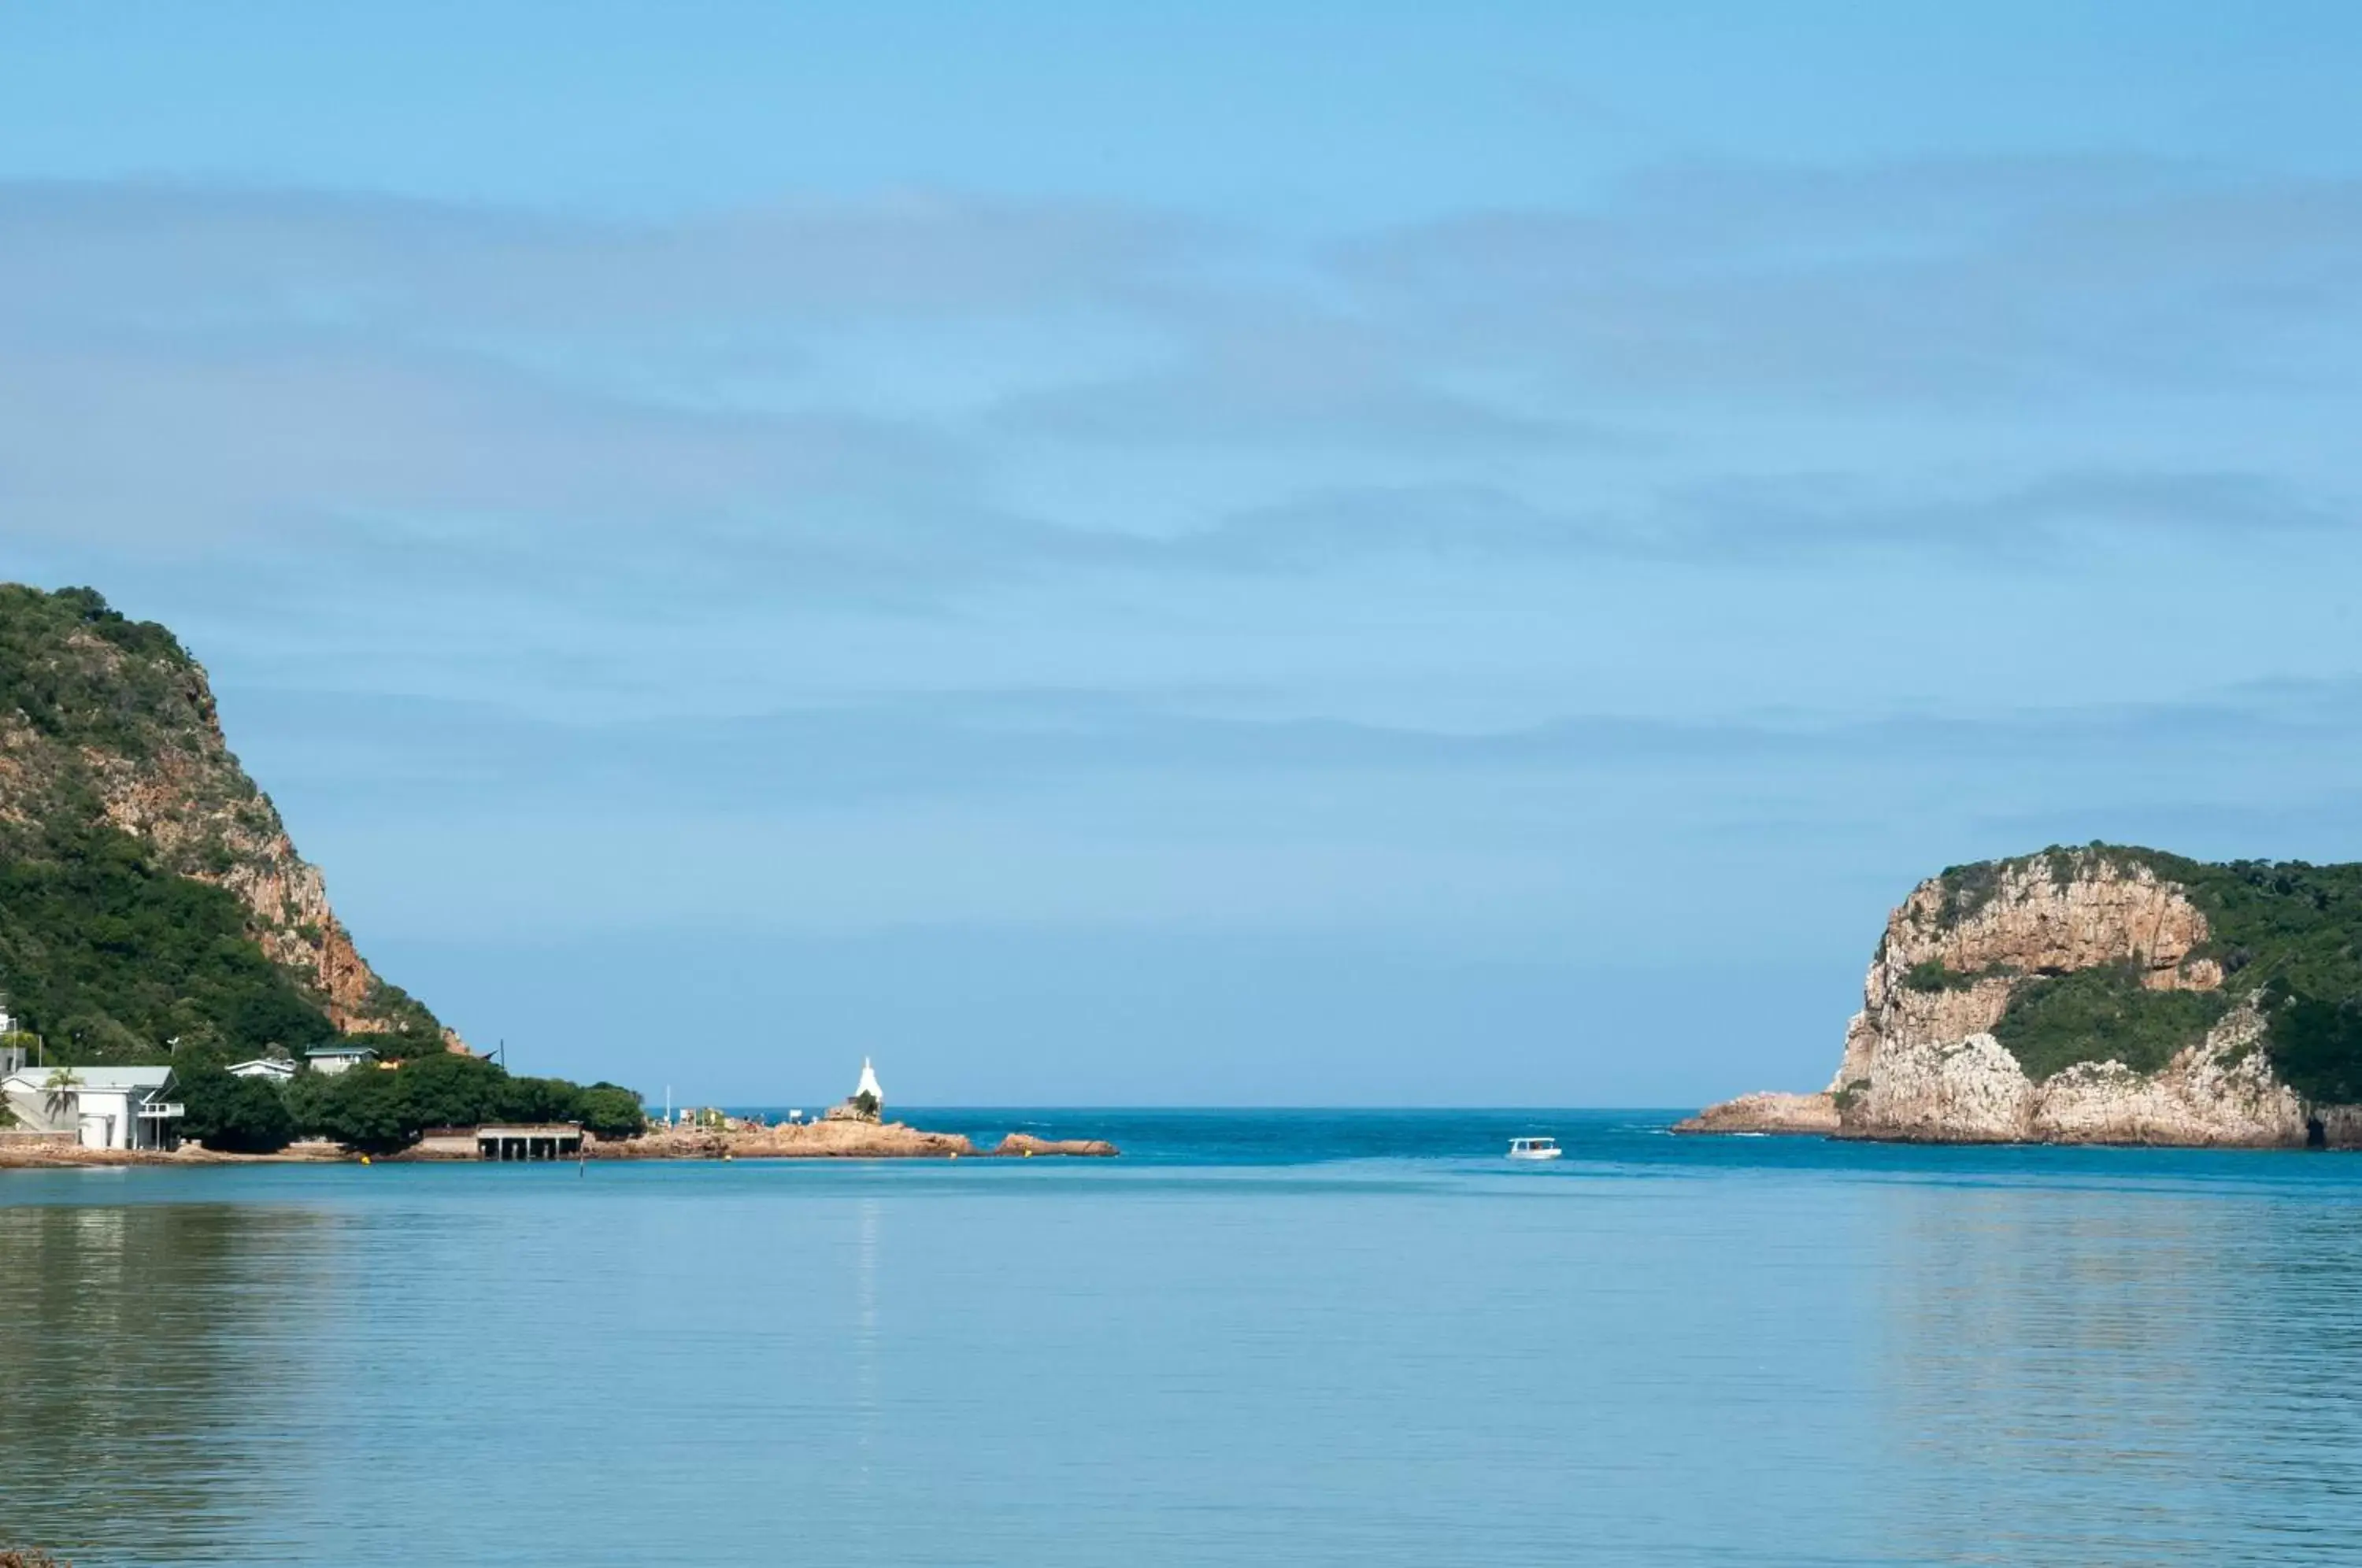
[(364, 1159)]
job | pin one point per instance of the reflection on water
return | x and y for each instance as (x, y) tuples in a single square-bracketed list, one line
[(118, 1325), (866, 1407), (2163, 1364), (1660, 1352)]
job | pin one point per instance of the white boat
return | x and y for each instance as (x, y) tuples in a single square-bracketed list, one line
[(1534, 1149)]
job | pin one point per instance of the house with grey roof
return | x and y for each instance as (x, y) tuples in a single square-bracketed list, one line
[(339, 1057)]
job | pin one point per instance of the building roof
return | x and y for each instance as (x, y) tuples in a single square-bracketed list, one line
[(105, 1079), (342, 1051), (267, 1064)]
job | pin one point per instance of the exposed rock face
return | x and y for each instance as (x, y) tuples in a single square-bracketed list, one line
[(2220, 1091), (191, 800), (128, 727), (1924, 1062), (2048, 915)]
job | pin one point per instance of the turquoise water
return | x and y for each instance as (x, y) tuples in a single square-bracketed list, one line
[(1291, 1337)]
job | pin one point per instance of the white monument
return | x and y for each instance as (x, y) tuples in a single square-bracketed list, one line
[(866, 1103)]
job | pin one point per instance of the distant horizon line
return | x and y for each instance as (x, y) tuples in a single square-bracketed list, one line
[(1423, 1109)]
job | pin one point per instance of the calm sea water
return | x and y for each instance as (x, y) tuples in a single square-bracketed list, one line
[(1287, 1337)]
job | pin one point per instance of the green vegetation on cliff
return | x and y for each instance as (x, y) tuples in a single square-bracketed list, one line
[(2101, 1015), (128, 835), (153, 909), (116, 704), (2286, 931), (110, 959)]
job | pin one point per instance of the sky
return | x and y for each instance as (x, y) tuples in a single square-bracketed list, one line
[(1276, 554)]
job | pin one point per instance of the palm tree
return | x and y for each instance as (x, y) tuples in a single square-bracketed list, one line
[(61, 1085)]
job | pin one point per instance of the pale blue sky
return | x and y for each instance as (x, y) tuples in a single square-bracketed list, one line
[(1138, 554)]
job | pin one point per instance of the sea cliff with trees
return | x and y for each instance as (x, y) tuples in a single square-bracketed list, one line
[(153, 909), (2102, 994)]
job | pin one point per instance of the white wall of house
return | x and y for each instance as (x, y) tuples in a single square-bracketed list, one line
[(103, 1111), (106, 1118)]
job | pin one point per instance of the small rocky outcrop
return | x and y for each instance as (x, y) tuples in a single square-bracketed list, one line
[(1024, 1146), (843, 1138), (1767, 1111), (2100, 996)]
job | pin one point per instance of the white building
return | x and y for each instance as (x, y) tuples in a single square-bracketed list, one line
[(335, 1059), (105, 1107), (272, 1068), (866, 1103)]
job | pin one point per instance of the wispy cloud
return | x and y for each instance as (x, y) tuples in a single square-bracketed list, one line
[(963, 745), (167, 254), (900, 397), (1935, 284)]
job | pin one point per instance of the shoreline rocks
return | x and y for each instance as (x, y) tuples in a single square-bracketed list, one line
[(845, 1139), (1769, 1111), (841, 1140), (30, 1153)]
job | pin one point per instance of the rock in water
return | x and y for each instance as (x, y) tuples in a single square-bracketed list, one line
[(1770, 1112), (1024, 1146)]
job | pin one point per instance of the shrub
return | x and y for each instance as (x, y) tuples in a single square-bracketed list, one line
[(1934, 975)]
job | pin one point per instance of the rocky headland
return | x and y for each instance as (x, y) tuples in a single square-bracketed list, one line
[(116, 783), (2101, 995)]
